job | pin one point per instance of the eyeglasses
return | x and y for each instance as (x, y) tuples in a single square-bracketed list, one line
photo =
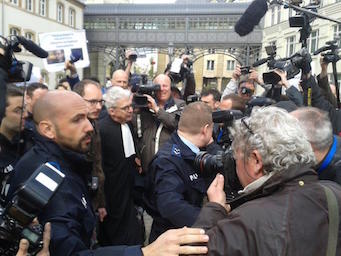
[(243, 121), (126, 108), (95, 102)]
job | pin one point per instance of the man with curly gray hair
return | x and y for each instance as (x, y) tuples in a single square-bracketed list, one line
[(283, 209)]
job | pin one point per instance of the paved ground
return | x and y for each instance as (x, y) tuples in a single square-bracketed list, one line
[(148, 220)]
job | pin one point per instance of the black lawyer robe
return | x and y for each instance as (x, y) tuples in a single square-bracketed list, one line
[(121, 226)]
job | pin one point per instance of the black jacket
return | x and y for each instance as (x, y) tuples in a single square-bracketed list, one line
[(69, 210), (287, 215), (8, 158), (175, 190), (318, 101)]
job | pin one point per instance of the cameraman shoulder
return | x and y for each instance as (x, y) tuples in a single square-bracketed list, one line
[(180, 103)]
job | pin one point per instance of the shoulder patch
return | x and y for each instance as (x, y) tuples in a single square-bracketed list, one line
[(176, 151)]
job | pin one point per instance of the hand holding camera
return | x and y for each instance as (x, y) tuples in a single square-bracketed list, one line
[(24, 244), (236, 73), (131, 56)]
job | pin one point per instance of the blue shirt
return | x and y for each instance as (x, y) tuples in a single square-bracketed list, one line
[(189, 144)]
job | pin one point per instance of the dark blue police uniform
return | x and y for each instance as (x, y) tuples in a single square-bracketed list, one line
[(69, 210), (174, 189)]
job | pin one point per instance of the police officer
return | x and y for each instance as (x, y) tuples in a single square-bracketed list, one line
[(175, 189), (64, 136), (11, 125)]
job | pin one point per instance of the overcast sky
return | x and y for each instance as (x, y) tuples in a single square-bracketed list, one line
[(153, 1)]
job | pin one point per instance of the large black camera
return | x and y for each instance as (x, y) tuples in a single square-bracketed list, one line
[(26, 204), (192, 98), (18, 71), (139, 99), (224, 163), (291, 65), (245, 70), (330, 52)]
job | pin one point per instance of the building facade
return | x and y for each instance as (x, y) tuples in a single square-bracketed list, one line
[(28, 18), (278, 32)]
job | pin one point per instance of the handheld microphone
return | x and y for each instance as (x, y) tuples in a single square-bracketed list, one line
[(32, 47), (251, 17), (75, 56)]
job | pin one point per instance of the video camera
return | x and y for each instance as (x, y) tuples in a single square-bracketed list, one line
[(332, 55), (291, 65), (18, 71), (26, 204), (139, 99)]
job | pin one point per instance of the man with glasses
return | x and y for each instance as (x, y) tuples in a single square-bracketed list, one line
[(92, 94), (121, 225), (175, 188), (283, 209), (242, 84)]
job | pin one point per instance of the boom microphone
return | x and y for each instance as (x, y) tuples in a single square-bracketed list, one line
[(251, 17), (32, 47)]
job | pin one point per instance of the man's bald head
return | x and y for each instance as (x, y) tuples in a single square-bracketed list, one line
[(53, 104), (162, 78), (165, 93), (120, 78), (62, 116)]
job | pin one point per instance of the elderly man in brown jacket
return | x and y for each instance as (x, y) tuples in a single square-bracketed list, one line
[(155, 124), (285, 209)]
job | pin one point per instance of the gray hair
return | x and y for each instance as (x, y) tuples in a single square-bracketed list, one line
[(317, 126), (276, 135), (114, 94)]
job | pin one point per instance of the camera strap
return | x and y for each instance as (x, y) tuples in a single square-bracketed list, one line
[(157, 137), (329, 156), (334, 221)]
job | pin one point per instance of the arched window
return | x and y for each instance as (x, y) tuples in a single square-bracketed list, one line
[(60, 12)]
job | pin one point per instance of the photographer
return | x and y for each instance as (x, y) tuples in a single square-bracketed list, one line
[(323, 83), (239, 81), (291, 91), (317, 100), (64, 136), (211, 97), (155, 124), (286, 208), (120, 77), (175, 189)]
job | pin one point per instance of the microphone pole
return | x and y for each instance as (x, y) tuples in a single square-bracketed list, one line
[(304, 10), (337, 88)]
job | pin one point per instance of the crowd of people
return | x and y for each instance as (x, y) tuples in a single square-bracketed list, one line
[(122, 160)]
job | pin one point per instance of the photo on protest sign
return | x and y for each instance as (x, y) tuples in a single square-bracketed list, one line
[(62, 46), (56, 56)]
